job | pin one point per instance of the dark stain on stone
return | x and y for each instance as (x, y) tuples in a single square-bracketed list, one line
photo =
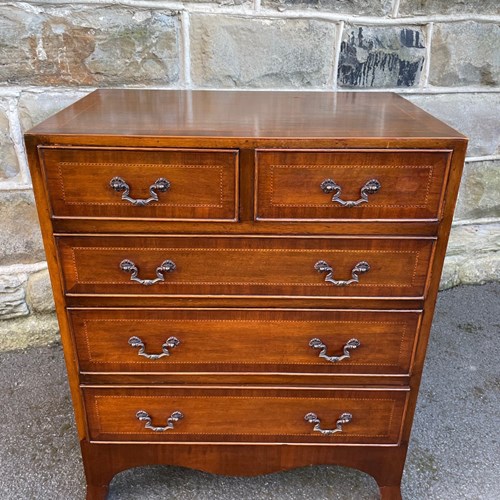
[(66, 427), (490, 387), (376, 59), (426, 463), (408, 72), (470, 327), (492, 384), (430, 396), (478, 392), (486, 76), (411, 38)]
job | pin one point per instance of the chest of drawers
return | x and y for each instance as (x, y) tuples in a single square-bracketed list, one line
[(244, 281)]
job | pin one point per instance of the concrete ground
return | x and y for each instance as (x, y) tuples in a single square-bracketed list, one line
[(454, 451)]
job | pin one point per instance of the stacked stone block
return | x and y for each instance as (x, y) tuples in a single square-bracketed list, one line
[(443, 55)]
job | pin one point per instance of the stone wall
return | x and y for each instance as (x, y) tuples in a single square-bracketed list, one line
[(443, 55)]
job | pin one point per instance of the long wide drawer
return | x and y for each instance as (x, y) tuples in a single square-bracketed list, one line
[(350, 184), (248, 266), (297, 341), (120, 183), (245, 415)]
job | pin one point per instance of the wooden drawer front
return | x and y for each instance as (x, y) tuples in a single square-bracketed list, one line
[(243, 266), (244, 340), (289, 184), (202, 183), (249, 415)]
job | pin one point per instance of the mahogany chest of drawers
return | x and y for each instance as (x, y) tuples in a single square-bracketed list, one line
[(244, 281)]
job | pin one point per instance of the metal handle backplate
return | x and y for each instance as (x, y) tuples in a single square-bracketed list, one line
[(360, 268), (161, 185), (143, 416), (348, 346), (170, 343), (128, 266), (312, 418), (329, 186)]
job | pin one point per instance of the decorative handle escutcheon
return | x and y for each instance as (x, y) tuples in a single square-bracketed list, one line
[(329, 186), (161, 185), (143, 416), (323, 267), (318, 344), (128, 266), (312, 418), (170, 343)]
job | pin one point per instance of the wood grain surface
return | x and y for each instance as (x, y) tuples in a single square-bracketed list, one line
[(244, 340), (203, 184), (248, 415), (245, 265), (245, 220), (288, 184)]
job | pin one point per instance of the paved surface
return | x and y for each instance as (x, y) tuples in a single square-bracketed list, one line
[(454, 452)]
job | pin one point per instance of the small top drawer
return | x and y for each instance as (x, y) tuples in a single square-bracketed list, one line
[(171, 184), (349, 184)]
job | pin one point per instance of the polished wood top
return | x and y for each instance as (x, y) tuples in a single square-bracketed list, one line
[(244, 114)]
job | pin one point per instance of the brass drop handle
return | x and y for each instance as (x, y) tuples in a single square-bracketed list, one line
[(170, 343), (312, 418), (161, 185), (323, 267), (143, 416), (348, 346), (329, 186), (167, 266)]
